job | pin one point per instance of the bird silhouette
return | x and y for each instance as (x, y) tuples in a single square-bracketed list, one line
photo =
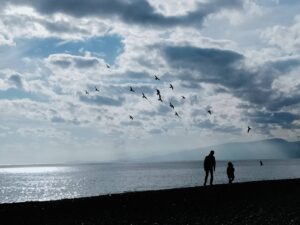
[(144, 96), (182, 97), (96, 89), (131, 117), (156, 78), (171, 86), (107, 66), (159, 98), (249, 128), (86, 92), (176, 114), (172, 106), (209, 112), (157, 92), (131, 89)]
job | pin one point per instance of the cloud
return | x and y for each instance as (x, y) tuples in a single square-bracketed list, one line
[(139, 12), (284, 37), (156, 131), (63, 27), (17, 80), (131, 123), (102, 100), (81, 62), (14, 94), (59, 119), (284, 119), (228, 69), (215, 65)]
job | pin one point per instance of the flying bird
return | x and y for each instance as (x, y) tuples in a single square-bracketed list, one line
[(156, 78), (159, 98), (209, 112), (131, 117), (249, 128), (182, 97), (107, 66), (157, 92), (171, 86), (96, 89), (144, 96), (86, 92), (176, 114), (131, 89), (172, 106)]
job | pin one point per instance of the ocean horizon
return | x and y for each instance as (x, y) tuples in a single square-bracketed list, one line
[(54, 182)]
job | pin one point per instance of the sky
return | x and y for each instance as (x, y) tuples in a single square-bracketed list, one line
[(238, 58)]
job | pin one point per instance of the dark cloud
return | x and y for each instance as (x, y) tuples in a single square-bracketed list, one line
[(214, 65), (155, 131), (66, 60), (17, 80), (59, 119), (284, 119), (226, 69), (283, 100), (85, 62), (207, 124), (132, 11), (61, 63), (102, 100), (131, 123)]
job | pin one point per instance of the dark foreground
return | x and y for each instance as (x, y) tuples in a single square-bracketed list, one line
[(268, 202)]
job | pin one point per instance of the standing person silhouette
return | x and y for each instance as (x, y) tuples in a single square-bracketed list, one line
[(209, 167), (230, 172)]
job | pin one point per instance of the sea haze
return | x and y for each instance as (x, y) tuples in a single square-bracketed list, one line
[(265, 149), (40, 183)]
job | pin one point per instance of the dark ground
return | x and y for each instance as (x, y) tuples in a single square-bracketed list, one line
[(267, 202)]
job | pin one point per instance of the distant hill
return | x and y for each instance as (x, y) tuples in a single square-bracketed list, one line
[(265, 149)]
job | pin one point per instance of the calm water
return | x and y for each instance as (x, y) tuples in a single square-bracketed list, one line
[(19, 184)]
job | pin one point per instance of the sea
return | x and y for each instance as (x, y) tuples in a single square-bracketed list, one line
[(53, 182)]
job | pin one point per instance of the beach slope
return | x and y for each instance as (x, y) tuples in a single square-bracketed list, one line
[(264, 202)]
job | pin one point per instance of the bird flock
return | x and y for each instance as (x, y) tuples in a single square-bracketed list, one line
[(158, 93)]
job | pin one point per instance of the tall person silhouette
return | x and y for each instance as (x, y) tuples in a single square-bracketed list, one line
[(209, 167)]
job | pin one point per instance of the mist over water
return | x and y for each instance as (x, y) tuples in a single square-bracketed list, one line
[(40, 183)]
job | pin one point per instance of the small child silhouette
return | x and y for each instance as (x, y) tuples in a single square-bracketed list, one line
[(230, 172)]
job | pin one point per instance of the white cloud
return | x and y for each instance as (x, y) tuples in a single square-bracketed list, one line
[(287, 38)]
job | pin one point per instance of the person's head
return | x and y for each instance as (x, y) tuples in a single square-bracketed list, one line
[(212, 152), (230, 164)]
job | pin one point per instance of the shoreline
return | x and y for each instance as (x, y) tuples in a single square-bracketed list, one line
[(258, 202)]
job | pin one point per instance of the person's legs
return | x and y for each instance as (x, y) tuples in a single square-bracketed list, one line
[(211, 176), (206, 175)]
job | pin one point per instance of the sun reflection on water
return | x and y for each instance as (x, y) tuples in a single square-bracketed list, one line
[(34, 169)]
